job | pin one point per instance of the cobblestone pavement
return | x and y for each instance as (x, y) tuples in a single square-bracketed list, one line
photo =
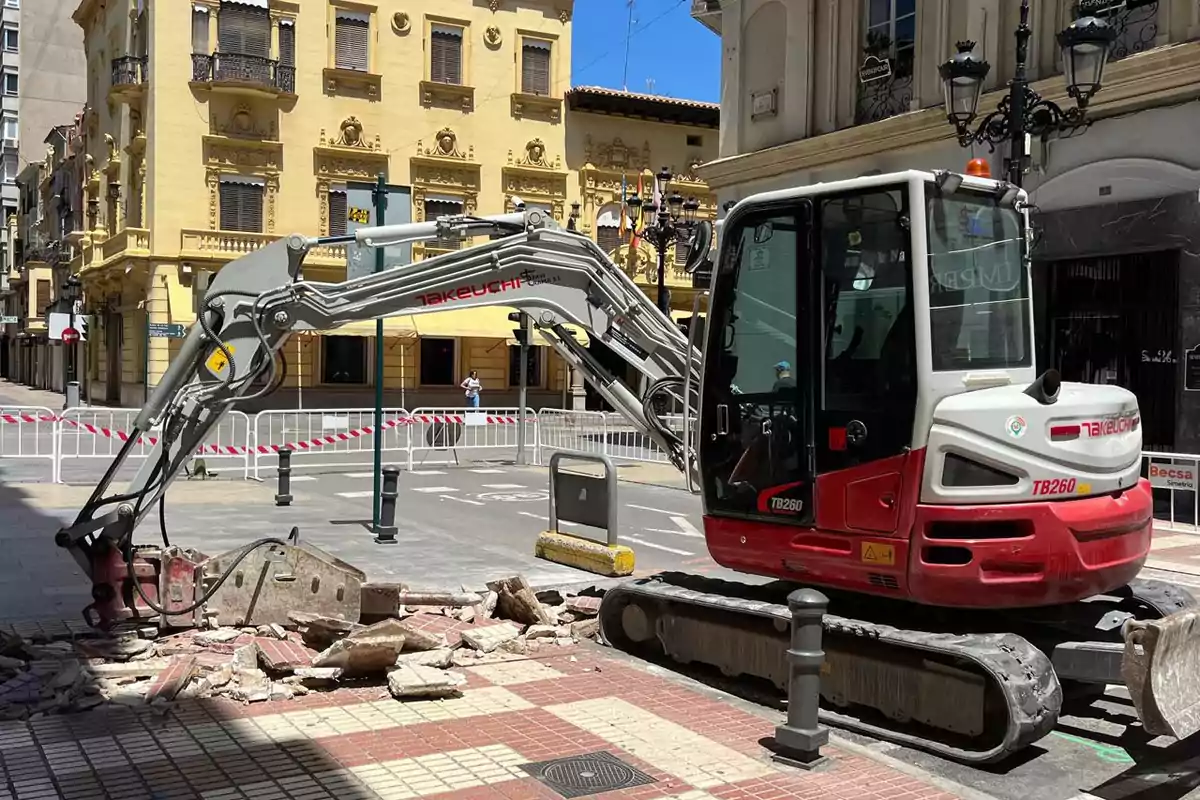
[(360, 744)]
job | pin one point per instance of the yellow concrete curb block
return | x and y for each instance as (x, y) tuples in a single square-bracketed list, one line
[(613, 561)]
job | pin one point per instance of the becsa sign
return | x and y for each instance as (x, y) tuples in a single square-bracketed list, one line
[(1173, 476)]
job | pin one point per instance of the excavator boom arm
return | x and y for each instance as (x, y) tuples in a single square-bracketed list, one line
[(254, 304)]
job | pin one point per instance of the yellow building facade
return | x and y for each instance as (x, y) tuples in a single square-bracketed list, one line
[(216, 126)]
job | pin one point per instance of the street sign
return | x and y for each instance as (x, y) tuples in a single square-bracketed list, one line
[(70, 336), (59, 322), (167, 330), (360, 213), (9, 319)]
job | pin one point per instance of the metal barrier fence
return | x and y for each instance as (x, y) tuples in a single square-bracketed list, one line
[(452, 430), (1174, 478), (29, 432), (605, 433), (85, 433), (323, 438)]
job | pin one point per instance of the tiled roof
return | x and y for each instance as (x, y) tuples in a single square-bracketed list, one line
[(598, 99)]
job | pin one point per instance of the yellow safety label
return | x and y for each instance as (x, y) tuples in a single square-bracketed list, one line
[(876, 553), (217, 361), (1083, 488)]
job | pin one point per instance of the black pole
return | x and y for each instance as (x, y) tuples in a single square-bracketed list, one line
[(283, 496), (385, 532), (1018, 92), (799, 740), (664, 305)]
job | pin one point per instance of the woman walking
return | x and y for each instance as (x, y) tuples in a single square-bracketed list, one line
[(472, 386)]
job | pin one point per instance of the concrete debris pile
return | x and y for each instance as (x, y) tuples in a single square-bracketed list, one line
[(412, 641)]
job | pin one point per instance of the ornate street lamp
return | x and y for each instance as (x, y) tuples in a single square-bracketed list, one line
[(573, 220), (671, 222), (1022, 112)]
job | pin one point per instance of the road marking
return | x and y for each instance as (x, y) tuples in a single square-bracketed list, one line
[(433, 489), (356, 495), (463, 500), (358, 474), (487, 471), (427, 472), (503, 486), (295, 478), (639, 541), (659, 510), (543, 518), (686, 528)]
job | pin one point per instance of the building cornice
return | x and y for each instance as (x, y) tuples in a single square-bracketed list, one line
[(1158, 77), (83, 12)]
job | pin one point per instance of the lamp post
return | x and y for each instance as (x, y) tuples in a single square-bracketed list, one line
[(573, 220), (1023, 112), (671, 221)]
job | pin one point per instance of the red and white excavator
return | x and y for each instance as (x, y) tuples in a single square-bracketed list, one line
[(869, 422)]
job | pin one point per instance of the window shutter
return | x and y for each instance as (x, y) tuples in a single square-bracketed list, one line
[(535, 69), (337, 213), (445, 57), (287, 45), (351, 38), (241, 207), (43, 298), (243, 30), (199, 31), (608, 239), (444, 208)]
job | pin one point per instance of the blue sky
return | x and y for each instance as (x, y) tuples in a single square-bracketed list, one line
[(668, 47)]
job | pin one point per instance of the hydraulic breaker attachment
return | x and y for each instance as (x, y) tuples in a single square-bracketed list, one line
[(1161, 669)]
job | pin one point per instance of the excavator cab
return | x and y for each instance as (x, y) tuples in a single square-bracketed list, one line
[(876, 294)]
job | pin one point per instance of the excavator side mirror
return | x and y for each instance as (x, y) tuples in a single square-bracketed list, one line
[(702, 239)]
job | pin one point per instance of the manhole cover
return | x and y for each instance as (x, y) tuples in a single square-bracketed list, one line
[(588, 774), (514, 497)]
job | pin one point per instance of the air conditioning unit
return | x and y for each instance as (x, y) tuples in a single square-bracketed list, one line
[(10, 142)]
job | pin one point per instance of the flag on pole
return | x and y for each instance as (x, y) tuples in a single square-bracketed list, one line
[(636, 240), (621, 229)]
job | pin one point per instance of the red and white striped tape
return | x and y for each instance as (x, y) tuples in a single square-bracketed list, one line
[(233, 450)]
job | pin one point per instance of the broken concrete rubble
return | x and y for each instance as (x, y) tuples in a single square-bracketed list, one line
[(517, 602), (411, 680), (411, 649), (440, 658), (367, 651), (487, 638)]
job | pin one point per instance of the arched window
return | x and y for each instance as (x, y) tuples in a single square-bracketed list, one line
[(608, 228)]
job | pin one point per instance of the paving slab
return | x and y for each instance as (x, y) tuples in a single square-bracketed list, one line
[(490, 741)]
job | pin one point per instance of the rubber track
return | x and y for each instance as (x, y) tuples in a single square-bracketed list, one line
[(1021, 673)]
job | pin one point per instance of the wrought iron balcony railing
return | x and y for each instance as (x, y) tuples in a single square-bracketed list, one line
[(130, 71), (255, 71)]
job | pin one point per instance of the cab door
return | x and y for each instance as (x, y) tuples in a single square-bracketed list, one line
[(756, 419), (865, 393)]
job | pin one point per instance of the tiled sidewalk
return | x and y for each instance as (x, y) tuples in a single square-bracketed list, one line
[(360, 744)]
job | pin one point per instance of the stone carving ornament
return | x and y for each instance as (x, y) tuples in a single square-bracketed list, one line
[(492, 37)]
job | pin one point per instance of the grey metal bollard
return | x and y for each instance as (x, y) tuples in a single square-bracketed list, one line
[(386, 532), (799, 740), (283, 496)]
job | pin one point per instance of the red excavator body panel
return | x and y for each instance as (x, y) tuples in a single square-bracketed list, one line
[(873, 536)]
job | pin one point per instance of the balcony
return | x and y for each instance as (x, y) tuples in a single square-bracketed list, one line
[(228, 245), (130, 241), (239, 73), (708, 14), (130, 76)]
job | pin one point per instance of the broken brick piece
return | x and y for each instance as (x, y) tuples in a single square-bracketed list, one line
[(22, 689), (172, 679), (517, 602), (487, 638), (282, 655), (584, 604), (436, 625)]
